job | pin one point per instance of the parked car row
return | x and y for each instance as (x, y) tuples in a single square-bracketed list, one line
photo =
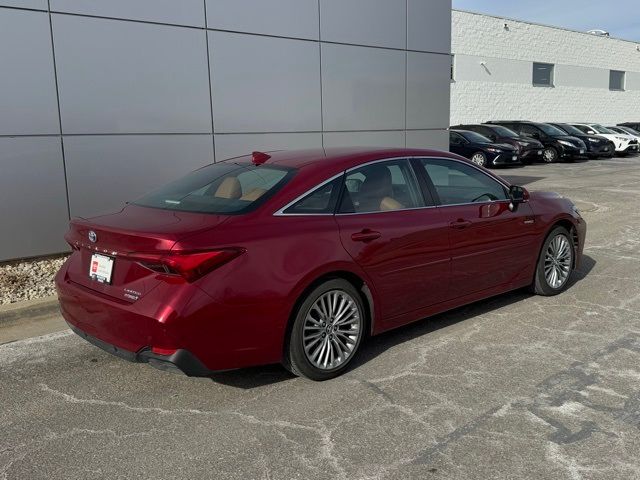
[(500, 143)]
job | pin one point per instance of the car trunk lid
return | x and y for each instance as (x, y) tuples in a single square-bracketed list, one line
[(119, 236)]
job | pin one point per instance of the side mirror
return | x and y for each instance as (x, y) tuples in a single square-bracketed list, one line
[(535, 135), (591, 132), (517, 195)]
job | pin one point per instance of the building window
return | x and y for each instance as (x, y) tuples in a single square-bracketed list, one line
[(616, 80), (453, 68), (543, 74)]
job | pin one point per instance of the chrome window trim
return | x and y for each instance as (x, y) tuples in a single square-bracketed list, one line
[(280, 212)]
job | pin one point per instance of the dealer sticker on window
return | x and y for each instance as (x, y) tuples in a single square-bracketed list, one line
[(101, 268)]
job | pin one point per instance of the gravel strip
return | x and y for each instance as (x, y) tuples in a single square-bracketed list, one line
[(28, 279)]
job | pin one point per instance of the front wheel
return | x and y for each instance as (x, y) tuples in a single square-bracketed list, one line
[(327, 331), (479, 158), (555, 263), (550, 155)]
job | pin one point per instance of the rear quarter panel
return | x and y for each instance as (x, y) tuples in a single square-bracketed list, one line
[(251, 299)]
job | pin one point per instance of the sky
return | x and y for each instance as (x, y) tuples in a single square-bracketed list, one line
[(621, 18)]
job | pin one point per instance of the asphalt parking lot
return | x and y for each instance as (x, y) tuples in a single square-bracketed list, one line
[(513, 387)]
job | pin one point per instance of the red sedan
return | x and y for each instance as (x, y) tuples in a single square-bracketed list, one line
[(296, 257)]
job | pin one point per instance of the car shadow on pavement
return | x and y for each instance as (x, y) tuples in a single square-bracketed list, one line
[(521, 180), (248, 378)]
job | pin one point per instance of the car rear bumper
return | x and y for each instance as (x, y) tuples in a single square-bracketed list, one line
[(180, 319), (180, 361)]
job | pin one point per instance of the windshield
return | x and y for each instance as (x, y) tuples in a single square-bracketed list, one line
[(222, 188), (630, 131), (601, 129), (570, 129), (550, 129), (475, 137), (504, 132)]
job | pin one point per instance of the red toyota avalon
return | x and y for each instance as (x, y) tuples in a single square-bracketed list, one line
[(296, 257)]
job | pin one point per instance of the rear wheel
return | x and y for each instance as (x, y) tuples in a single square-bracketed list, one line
[(555, 263), (326, 332), (479, 158), (550, 155)]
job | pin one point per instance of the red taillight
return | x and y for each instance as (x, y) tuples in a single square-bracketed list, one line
[(189, 265)]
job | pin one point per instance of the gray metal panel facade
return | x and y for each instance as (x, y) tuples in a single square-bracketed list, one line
[(101, 101)]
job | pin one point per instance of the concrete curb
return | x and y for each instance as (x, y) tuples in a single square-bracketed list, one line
[(40, 307)]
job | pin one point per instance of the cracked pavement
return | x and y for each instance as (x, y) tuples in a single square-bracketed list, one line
[(516, 386)]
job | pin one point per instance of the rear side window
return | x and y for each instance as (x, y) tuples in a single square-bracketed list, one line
[(223, 188), (322, 200)]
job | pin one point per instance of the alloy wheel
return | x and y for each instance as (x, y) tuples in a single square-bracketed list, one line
[(479, 159), (549, 155), (331, 330), (557, 261)]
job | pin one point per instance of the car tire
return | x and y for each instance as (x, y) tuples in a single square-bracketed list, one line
[(556, 256), (550, 155), (322, 321), (479, 158)]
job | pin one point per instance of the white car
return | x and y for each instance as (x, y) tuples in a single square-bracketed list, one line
[(625, 131), (624, 143)]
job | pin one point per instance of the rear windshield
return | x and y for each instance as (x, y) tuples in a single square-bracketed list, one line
[(222, 188)]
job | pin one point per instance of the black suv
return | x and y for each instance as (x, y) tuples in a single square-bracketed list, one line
[(634, 125), (529, 149), (480, 150), (557, 144), (597, 146)]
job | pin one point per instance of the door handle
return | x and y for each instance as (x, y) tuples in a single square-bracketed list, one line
[(365, 235), (459, 224)]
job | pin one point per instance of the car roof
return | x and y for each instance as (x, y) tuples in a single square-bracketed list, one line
[(339, 158)]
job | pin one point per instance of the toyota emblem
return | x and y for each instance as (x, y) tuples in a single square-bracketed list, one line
[(93, 238)]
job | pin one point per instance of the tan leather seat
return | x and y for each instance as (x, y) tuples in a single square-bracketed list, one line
[(229, 188), (389, 203), (253, 195)]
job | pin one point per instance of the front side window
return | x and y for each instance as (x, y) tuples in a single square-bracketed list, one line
[(380, 187), (616, 80), (543, 74), (222, 188), (457, 183)]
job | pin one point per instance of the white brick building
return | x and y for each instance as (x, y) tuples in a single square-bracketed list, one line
[(493, 65)]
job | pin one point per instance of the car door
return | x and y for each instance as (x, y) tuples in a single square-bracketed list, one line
[(490, 244), (458, 144), (396, 235)]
